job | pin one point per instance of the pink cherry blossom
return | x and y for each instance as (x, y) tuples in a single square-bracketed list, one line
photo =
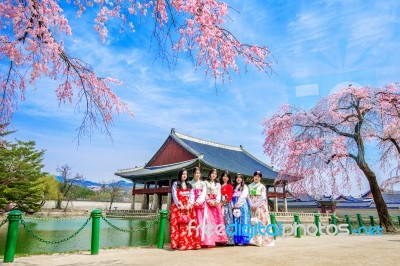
[(31, 41), (324, 148)]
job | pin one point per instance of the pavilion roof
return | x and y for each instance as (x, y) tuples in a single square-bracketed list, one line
[(208, 154), (234, 159)]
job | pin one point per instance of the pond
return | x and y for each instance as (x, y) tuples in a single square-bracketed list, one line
[(56, 230)]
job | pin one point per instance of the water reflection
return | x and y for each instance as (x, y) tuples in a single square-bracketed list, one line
[(60, 229)]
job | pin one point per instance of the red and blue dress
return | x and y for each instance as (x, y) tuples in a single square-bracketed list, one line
[(180, 218)]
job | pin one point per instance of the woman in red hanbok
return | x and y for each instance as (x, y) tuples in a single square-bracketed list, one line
[(213, 216), (182, 213), (226, 199)]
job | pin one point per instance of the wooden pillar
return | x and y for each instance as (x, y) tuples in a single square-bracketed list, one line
[(160, 196), (169, 197), (275, 200), (333, 207), (133, 202), (154, 206), (145, 203), (284, 198)]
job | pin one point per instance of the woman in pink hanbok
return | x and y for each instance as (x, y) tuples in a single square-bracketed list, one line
[(213, 217), (200, 192)]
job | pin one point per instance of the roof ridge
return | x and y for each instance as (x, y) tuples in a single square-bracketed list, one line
[(208, 142), (171, 164), (258, 160), (125, 170)]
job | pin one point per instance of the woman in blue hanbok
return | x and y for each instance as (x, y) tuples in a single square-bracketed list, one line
[(241, 212)]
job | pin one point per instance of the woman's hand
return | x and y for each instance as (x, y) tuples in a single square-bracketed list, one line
[(253, 208)]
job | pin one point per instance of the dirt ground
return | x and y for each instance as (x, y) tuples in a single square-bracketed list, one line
[(308, 250)]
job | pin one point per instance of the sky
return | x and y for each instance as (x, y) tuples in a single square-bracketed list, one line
[(317, 46)]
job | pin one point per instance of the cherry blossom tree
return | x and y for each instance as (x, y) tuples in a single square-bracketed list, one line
[(325, 147), (389, 137), (32, 46)]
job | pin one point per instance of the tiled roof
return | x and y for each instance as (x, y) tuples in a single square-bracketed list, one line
[(232, 158), (155, 170), (306, 198), (348, 199), (224, 157), (391, 198)]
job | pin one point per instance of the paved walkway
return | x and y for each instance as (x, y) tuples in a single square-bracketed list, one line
[(324, 250)]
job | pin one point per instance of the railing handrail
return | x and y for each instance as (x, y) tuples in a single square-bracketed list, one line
[(303, 214)]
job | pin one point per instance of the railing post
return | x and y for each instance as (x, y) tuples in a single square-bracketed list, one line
[(94, 247), (316, 221), (11, 243), (348, 223), (391, 220), (297, 221), (161, 229), (360, 222), (371, 218), (334, 221), (273, 221)]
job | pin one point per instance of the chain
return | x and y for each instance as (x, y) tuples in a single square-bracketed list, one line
[(131, 230), (3, 222), (135, 217), (55, 219), (141, 244), (54, 242)]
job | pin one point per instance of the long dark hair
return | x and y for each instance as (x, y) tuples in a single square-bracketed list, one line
[(226, 173), (209, 175), (242, 184), (180, 181)]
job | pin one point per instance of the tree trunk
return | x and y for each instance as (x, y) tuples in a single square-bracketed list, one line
[(59, 201), (111, 202), (383, 213)]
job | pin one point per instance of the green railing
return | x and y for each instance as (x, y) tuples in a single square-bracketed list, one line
[(15, 217), (357, 225)]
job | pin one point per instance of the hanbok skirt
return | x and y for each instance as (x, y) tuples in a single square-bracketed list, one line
[(241, 237)]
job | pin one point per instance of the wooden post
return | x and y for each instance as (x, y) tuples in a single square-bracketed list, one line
[(160, 196), (145, 203), (276, 209), (133, 202), (284, 198), (333, 207), (169, 198), (155, 206)]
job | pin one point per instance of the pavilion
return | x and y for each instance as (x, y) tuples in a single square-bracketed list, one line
[(178, 151)]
